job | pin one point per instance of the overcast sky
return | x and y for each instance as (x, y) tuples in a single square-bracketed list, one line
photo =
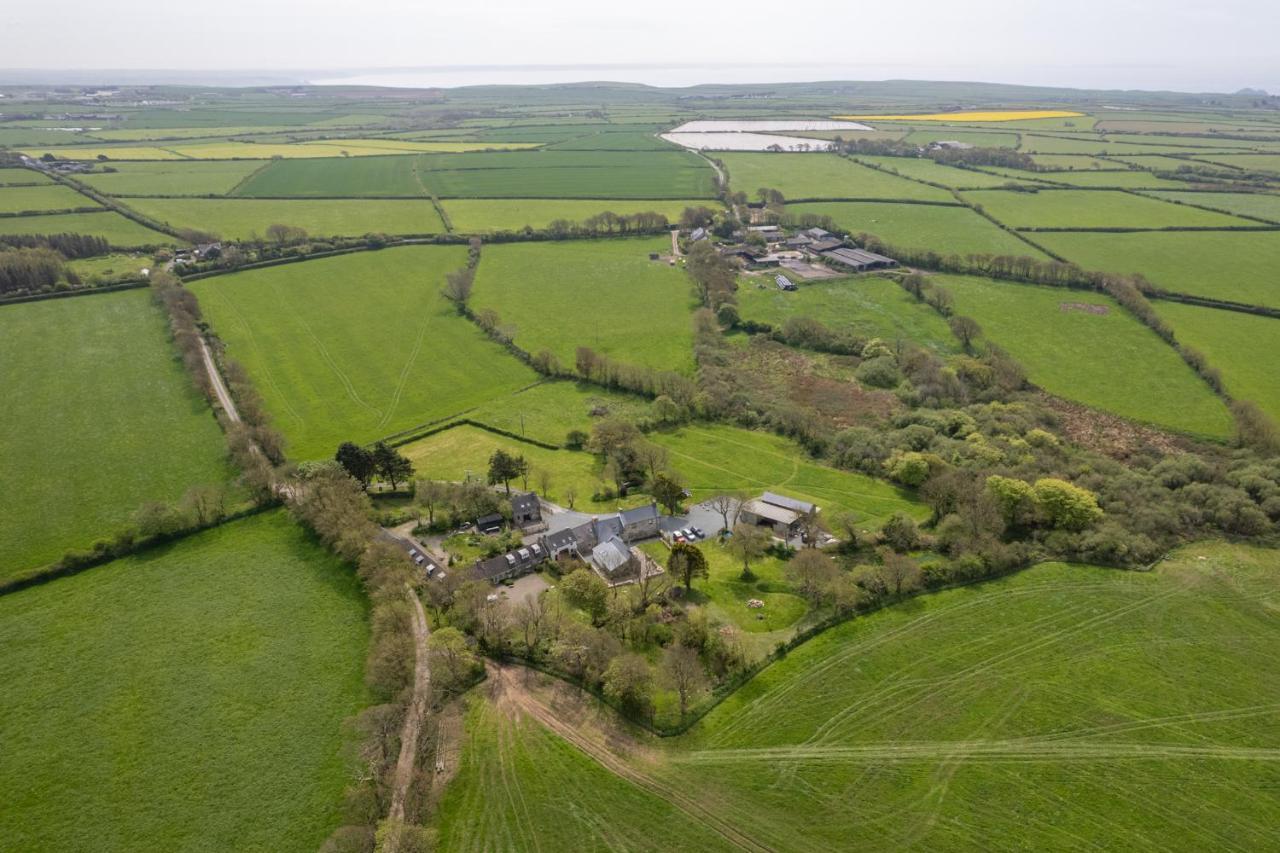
[(1206, 45)]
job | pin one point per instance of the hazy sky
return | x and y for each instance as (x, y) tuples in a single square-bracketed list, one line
[(1212, 45)]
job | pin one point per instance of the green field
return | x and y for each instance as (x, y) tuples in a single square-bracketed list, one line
[(51, 197), (111, 226), (1082, 346), (477, 215), (945, 230), (549, 410), (560, 296), (1242, 346), (924, 169), (1091, 209), (1248, 162), (715, 458), (1262, 205), (1132, 179), (359, 176), (1237, 266), (979, 138), (1045, 707), (867, 307), (102, 418), (820, 176), (357, 347), (190, 698), (173, 177), (22, 176), (236, 219), (112, 267)]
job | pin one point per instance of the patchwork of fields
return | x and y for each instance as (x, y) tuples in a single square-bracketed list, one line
[(241, 219), (107, 421), (1093, 209)]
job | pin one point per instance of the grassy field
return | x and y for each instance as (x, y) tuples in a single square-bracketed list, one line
[(249, 150), (1261, 205), (359, 346), (925, 169), (477, 215), (869, 307), (1091, 209), (1222, 265), (560, 296), (112, 267), (715, 458), (243, 218), (1128, 180), (187, 699), (51, 197), (946, 230), (1242, 346), (359, 176), (111, 226), (173, 178), (820, 176), (1249, 162), (107, 421), (22, 176), (1082, 346), (984, 139), (549, 410)]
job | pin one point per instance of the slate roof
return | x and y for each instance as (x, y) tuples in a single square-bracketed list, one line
[(649, 512), (611, 555), (786, 502), (526, 504)]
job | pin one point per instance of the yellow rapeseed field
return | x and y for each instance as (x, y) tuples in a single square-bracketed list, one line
[(971, 115)]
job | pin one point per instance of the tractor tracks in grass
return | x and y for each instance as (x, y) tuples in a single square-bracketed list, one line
[(509, 692)]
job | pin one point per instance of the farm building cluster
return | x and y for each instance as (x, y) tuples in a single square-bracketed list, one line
[(807, 253)]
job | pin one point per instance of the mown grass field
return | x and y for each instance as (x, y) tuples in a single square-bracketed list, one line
[(1091, 209), (173, 177), (239, 218), (924, 169), (189, 698), (1128, 180), (820, 176), (1261, 205), (1237, 266), (1067, 706), (101, 419), (1248, 162), (946, 230), (22, 176), (593, 293), (984, 139), (359, 346), (475, 215), (1242, 346), (1082, 346), (867, 306), (111, 226), (252, 150), (112, 267), (549, 410), (50, 197), (715, 458)]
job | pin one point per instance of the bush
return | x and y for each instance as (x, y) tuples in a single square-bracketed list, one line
[(880, 372)]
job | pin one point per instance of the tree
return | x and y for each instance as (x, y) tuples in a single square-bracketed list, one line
[(205, 504), (544, 478), (570, 494), (1066, 506), (576, 439), (452, 661), (531, 620), (457, 287), (391, 465), (811, 527), (666, 410), (966, 329), (747, 543), (503, 468), (683, 672), (652, 456), (586, 590), (1014, 498), (813, 572), (668, 492), (727, 503), (900, 573), (629, 682), (430, 494), (686, 562), (845, 527), (900, 533), (357, 461)]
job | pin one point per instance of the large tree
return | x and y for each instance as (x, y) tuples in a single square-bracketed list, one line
[(391, 465), (813, 572), (357, 461), (668, 492), (683, 672), (747, 543), (686, 562), (504, 467)]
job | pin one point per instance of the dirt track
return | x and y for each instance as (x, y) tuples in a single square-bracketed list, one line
[(416, 714), (219, 388)]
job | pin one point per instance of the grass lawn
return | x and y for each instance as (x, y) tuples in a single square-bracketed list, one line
[(359, 346), (479, 215), (102, 418), (1262, 205), (716, 458), (111, 226), (1082, 346), (1238, 266), (1242, 346), (244, 218), (114, 267), (173, 178), (1091, 209), (190, 698), (867, 306), (820, 176), (603, 294), (549, 410), (47, 197), (946, 230)]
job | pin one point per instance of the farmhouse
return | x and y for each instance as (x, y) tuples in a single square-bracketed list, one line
[(526, 510), (614, 559), (778, 512), (513, 564), (858, 260), (639, 523)]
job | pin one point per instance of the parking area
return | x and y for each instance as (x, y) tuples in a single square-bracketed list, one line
[(525, 587)]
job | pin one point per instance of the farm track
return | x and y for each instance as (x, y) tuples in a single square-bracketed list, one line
[(986, 752), (219, 387), (414, 716), (508, 690)]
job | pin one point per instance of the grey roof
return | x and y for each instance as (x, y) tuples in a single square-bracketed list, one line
[(561, 539), (825, 244), (611, 554), (786, 502), (647, 512), (697, 234), (514, 562), (784, 282), (603, 529), (525, 503), (418, 556), (818, 233), (491, 518), (858, 258)]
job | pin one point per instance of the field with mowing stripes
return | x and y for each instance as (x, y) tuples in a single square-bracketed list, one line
[(1082, 346), (107, 421), (242, 218), (820, 176), (1053, 706), (189, 698), (357, 347)]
